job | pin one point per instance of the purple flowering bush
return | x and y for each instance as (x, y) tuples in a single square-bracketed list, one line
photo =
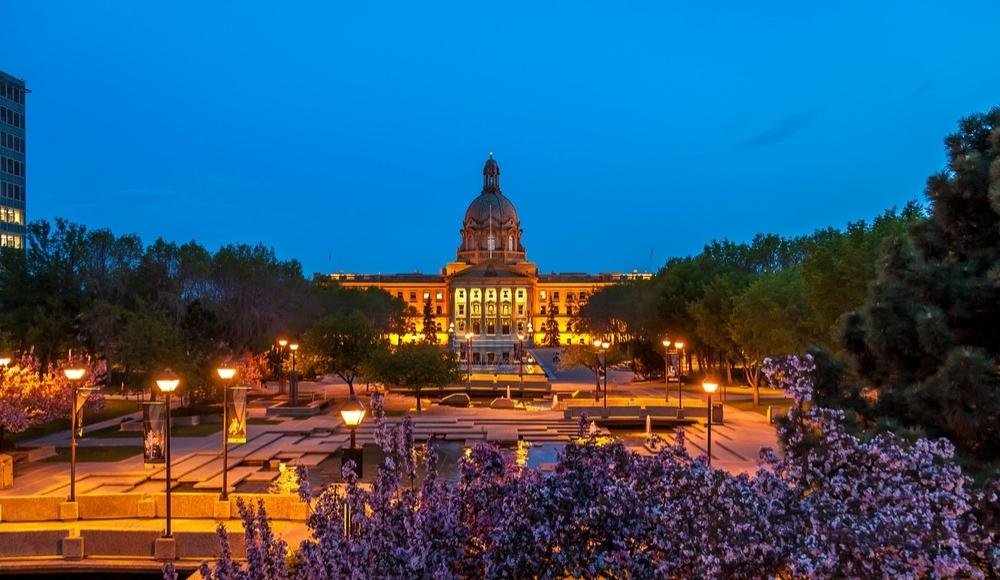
[(832, 506)]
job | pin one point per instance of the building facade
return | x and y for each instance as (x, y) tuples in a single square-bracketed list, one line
[(13, 170), (491, 296)]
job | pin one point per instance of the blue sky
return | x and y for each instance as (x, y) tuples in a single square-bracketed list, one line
[(351, 136)]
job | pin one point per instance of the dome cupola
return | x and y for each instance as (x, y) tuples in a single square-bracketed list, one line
[(491, 230)]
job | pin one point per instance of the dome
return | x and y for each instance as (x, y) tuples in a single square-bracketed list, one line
[(491, 229), (493, 206)]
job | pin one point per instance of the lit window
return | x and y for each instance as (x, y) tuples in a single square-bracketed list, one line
[(427, 295), (439, 296), (542, 295)]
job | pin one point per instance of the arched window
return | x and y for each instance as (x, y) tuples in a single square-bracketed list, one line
[(510, 243)]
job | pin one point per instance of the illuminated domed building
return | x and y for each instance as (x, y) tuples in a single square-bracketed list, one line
[(491, 290)]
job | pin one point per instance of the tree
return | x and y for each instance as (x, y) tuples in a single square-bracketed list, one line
[(925, 340), (32, 394), (770, 318), (416, 367), (341, 344), (551, 336), (430, 327), (587, 357), (834, 505)]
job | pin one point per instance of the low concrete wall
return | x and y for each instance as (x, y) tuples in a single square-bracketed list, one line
[(119, 542), (30, 543), (110, 506), (202, 505), (30, 508)]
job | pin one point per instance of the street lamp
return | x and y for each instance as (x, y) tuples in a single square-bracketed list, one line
[(709, 388), (75, 374), (293, 385), (282, 343), (597, 373), (605, 345), (666, 370), (167, 383), (520, 359), (468, 342), (680, 374), (4, 361), (451, 335), (353, 412), (226, 373)]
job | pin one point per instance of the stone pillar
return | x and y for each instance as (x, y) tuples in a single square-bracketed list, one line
[(6, 471)]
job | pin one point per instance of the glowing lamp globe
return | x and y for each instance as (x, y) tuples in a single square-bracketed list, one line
[(282, 343), (168, 381), (294, 346), (605, 345), (520, 336), (74, 373), (353, 412), (709, 387), (666, 342), (679, 344), (4, 361), (597, 342), (469, 335), (226, 372)]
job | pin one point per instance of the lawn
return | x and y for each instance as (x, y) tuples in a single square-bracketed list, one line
[(112, 408), (747, 405), (186, 431), (92, 454)]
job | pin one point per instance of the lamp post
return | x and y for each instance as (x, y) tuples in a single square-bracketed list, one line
[(709, 388), (666, 370), (282, 343), (353, 412), (680, 374), (597, 371), (605, 345), (520, 359), (468, 360), (167, 383), (75, 374), (451, 335), (226, 373), (293, 383)]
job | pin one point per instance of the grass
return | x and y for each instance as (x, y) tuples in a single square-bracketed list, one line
[(185, 431), (112, 408), (782, 404), (94, 454)]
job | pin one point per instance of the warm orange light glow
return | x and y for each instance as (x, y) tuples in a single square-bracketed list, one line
[(666, 342), (353, 412), (294, 346), (709, 387), (679, 344), (4, 361), (605, 345), (469, 335), (597, 342), (74, 373), (168, 381), (226, 372), (282, 343), (520, 336)]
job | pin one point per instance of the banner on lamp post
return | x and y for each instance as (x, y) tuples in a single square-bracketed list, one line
[(80, 397), (236, 414), (154, 432)]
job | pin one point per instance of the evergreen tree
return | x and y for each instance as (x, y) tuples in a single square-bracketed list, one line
[(430, 327), (551, 337), (926, 339)]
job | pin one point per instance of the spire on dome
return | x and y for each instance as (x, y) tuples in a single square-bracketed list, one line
[(491, 176)]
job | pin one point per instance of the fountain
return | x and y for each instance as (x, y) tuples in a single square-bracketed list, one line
[(649, 426), (508, 391), (555, 400)]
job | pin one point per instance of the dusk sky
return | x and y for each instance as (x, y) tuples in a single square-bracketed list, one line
[(351, 136)]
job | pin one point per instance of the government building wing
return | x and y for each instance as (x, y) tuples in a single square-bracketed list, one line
[(491, 293)]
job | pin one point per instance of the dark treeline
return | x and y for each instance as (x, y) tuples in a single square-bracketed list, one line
[(146, 307), (736, 303), (901, 314)]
